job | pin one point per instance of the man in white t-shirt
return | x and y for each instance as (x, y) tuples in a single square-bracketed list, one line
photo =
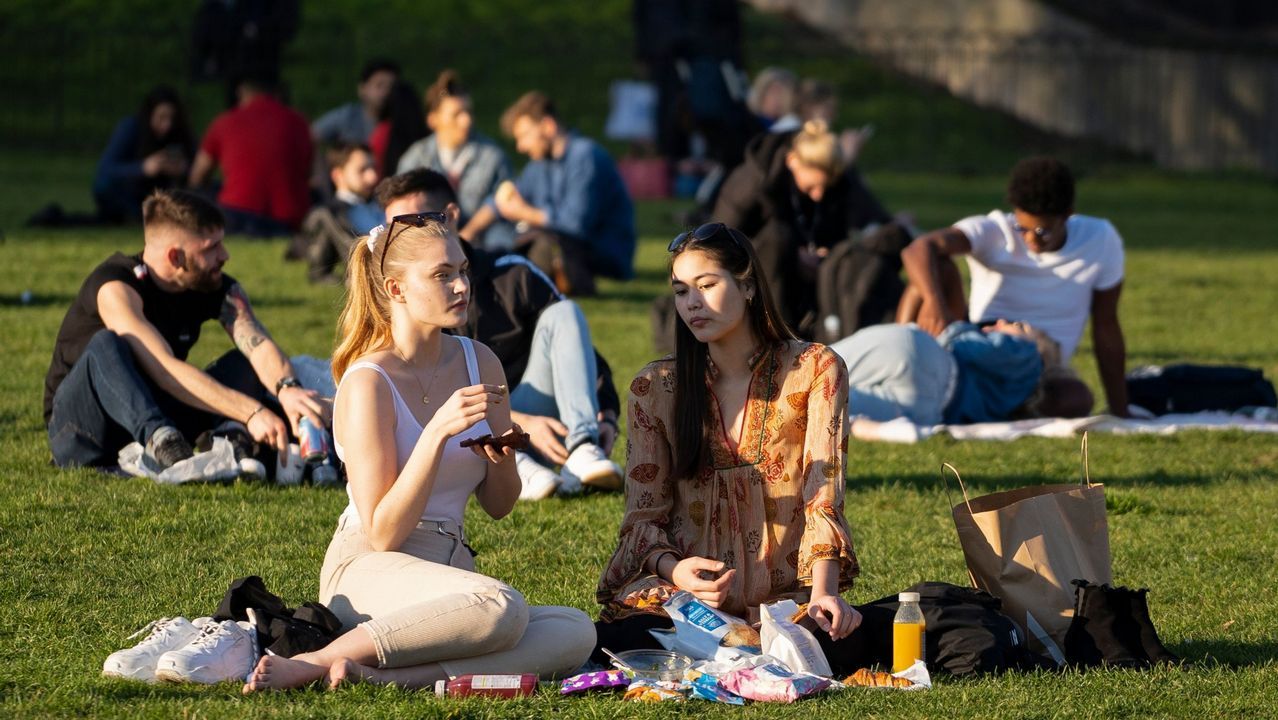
[(1040, 264)]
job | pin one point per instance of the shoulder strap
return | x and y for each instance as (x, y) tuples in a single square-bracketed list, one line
[(472, 365)]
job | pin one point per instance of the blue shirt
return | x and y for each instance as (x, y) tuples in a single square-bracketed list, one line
[(583, 196), (996, 373)]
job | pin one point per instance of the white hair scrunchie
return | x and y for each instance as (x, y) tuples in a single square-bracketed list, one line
[(373, 235)]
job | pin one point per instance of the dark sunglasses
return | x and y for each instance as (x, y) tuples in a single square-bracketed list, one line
[(705, 232), (411, 220)]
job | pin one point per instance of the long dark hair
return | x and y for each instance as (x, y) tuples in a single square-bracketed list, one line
[(730, 249), (407, 124), (179, 135)]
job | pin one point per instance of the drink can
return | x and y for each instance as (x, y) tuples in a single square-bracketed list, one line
[(313, 441)]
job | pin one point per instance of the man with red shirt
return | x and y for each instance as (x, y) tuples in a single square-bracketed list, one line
[(264, 149)]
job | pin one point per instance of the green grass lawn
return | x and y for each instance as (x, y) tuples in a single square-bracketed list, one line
[(88, 559)]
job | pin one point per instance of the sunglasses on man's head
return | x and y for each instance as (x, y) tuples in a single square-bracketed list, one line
[(705, 232), (411, 220)]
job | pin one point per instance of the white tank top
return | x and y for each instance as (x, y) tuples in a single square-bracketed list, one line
[(460, 470)]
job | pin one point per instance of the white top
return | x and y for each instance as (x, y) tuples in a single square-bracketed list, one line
[(1051, 291), (460, 470)]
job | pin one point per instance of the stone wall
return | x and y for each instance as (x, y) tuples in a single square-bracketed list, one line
[(1188, 109)]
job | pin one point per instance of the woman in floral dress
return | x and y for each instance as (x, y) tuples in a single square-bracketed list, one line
[(734, 477)]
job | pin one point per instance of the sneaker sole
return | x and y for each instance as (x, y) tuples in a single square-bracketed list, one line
[(540, 494), (603, 480), (137, 675)]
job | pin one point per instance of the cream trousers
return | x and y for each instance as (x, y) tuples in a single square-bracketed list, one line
[(425, 604)]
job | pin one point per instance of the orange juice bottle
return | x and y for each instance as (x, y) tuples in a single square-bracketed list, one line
[(907, 632)]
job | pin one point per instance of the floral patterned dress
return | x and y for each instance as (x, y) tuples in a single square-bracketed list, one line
[(770, 508)]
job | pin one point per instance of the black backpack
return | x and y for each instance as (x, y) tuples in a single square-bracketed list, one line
[(1193, 388), (967, 632), (859, 283)]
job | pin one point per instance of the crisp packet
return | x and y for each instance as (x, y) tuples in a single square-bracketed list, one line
[(707, 687), (601, 680), (772, 683), (704, 633), (790, 642), (653, 691)]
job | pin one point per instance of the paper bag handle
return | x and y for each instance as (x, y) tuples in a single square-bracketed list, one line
[(1087, 475), (962, 487)]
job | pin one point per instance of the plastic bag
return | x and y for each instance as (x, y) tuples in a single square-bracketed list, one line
[(790, 643), (704, 633)]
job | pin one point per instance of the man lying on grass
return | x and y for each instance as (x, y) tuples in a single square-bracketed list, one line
[(119, 370)]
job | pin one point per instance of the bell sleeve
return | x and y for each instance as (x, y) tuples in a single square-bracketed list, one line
[(649, 488), (826, 535)]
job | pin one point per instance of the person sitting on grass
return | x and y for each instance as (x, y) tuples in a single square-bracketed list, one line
[(263, 148), (580, 220), (967, 375), (398, 571), (1041, 264), (562, 391), (734, 476), (473, 164), (798, 200), (149, 151), (119, 371), (329, 229)]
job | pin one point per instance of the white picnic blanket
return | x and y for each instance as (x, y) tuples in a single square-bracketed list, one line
[(902, 430)]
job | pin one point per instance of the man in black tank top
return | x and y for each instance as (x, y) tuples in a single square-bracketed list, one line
[(119, 370)]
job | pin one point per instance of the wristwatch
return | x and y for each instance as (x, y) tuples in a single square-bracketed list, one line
[(286, 382)]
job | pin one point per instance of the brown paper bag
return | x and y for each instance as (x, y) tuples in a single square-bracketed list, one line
[(1025, 546)]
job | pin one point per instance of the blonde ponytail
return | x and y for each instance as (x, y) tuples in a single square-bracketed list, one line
[(364, 324)]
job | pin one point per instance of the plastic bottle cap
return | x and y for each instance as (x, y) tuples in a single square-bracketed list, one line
[(439, 687), (908, 597)]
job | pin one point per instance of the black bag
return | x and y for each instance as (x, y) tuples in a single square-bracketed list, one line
[(281, 629), (967, 633), (859, 283), (1192, 388), (1112, 627)]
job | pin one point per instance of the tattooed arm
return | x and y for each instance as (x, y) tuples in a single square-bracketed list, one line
[(268, 360)]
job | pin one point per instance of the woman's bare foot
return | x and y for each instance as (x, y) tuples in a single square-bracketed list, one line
[(348, 671), (280, 673)]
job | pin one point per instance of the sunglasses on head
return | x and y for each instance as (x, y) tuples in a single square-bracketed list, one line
[(705, 232), (410, 220)]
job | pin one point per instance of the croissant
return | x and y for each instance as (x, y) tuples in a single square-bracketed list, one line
[(869, 678)]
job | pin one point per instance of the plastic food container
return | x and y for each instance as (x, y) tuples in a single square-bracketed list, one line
[(656, 664)]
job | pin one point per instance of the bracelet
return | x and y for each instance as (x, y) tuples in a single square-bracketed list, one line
[(259, 409)]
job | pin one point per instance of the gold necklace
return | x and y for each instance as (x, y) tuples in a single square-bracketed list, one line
[(411, 371)]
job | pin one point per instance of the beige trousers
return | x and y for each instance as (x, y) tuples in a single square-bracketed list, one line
[(425, 604)]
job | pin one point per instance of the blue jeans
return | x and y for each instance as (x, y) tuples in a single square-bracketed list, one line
[(897, 371), (561, 378), (106, 402)]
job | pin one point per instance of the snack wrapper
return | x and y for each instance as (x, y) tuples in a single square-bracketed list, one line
[(790, 642), (704, 633), (772, 683), (707, 687), (653, 691), (601, 680)]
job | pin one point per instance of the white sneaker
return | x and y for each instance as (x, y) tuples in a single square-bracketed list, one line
[(590, 466), (539, 482), (224, 650), (138, 662)]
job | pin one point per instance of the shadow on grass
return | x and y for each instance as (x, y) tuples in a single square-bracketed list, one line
[(981, 484), (1227, 652), (40, 300)]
